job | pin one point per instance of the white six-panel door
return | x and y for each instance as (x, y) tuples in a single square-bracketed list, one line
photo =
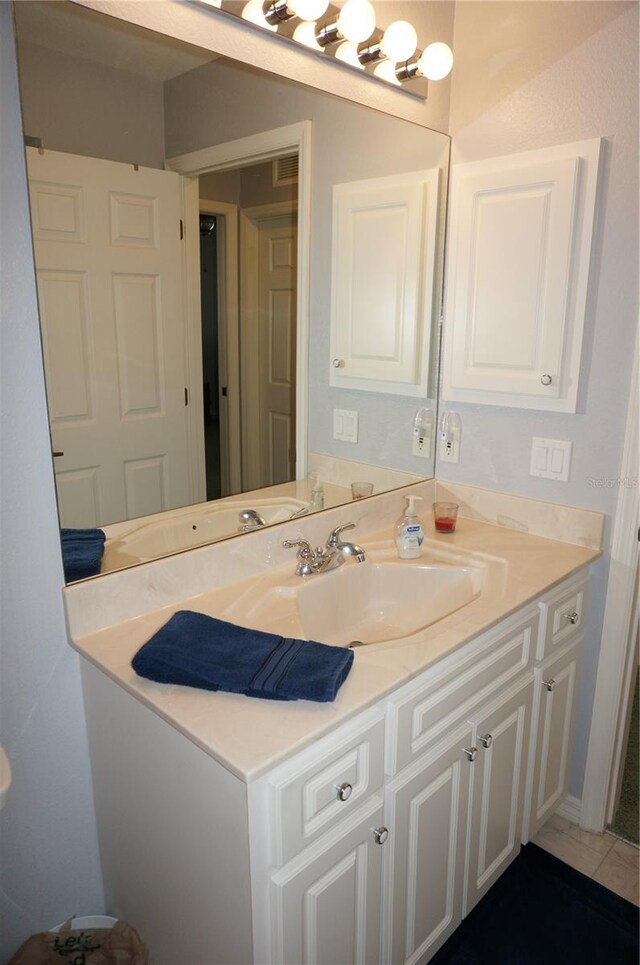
[(109, 270)]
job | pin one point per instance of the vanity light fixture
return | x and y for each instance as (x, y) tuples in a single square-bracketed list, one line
[(350, 37), (280, 11), (434, 63), (253, 12), (356, 21), (347, 52)]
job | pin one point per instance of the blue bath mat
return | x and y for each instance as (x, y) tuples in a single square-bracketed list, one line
[(542, 912)]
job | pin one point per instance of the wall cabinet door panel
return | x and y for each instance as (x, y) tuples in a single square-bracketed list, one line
[(518, 261), (383, 252)]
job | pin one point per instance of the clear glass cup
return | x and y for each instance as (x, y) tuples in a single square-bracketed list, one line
[(361, 489), (445, 516)]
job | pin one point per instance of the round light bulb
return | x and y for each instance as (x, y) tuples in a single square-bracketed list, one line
[(399, 41), (253, 12), (385, 70), (305, 33), (348, 54), (357, 20), (436, 61), (308, 9)]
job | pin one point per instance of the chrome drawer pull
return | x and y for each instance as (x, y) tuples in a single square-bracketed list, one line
[(486, 740), (344, 791), (572, 617), (549, 684), (546, 379), (338, 363), (471, 752), (380, 835)]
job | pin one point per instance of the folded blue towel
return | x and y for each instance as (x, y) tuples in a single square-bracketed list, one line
[(199, 651), (82, 551)]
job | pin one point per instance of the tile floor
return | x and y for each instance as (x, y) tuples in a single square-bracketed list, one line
[(603, 857)]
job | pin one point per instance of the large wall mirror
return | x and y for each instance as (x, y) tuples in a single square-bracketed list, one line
[(239, 281)]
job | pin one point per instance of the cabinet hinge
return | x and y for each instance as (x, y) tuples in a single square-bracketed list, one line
[(186, 395), (181, 230)]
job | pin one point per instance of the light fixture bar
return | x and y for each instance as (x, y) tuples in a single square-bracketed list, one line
[(277, 12), (370, 52)]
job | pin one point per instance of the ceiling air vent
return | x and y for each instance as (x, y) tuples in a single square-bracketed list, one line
[(285, 170)]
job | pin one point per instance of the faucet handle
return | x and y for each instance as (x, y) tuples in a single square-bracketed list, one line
[(334, 536), (304, 553)]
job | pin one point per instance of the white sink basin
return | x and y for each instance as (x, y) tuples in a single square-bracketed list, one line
[(373, 602)]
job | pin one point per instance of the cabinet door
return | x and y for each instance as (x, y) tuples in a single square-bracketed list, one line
[(501, 736), (518, 262), (326, 902), (427, 812), (554, 694), (383, 252)]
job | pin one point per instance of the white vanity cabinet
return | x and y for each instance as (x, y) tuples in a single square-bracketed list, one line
[(370, 845)]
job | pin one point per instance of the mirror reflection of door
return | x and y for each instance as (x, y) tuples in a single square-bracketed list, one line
[(249, 440), (109, 271)]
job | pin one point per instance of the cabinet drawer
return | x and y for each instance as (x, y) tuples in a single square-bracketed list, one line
[(427, 709), (305, 800), (562, 616)]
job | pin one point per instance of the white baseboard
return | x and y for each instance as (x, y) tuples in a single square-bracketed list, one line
[(571, 809)]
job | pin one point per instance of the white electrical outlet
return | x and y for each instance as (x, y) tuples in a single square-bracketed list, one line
[(345, 425), (421, 445), (449, 450)]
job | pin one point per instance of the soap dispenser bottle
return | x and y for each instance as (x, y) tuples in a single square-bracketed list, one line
[(317, 493), (409, 532)]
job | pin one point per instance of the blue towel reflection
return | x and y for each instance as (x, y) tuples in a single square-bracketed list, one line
[(82, 551)]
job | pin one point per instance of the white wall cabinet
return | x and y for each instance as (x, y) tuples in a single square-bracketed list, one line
[(382, 299), (369, 846), (517, 272)]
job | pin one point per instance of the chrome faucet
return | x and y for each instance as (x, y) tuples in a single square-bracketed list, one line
[(250, 519), (326, 558)]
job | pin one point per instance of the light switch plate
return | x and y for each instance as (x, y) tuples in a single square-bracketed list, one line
[(345, 425), (551, 459)]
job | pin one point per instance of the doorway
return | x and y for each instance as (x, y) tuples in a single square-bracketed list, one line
[(248, 298), (209, 301)]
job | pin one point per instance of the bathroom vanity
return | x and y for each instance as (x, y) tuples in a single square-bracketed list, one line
[(242, 830)]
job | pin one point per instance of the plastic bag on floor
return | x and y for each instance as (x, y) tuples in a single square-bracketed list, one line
[(119, 945)]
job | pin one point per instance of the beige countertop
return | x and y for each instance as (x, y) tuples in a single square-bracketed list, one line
[(248, 735)]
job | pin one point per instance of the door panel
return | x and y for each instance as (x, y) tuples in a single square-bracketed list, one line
[(502, 739), (429, 807), (327, 904), (109, 269)]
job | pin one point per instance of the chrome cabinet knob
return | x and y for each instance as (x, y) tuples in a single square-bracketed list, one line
[(572, 617), (546, 379), (344, 791), (471, 752), (486, 740), (380, 835), (549, 684), (338, 363)]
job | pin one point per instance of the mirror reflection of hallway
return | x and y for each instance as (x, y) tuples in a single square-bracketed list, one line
[(210, 225), (249, 324)]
